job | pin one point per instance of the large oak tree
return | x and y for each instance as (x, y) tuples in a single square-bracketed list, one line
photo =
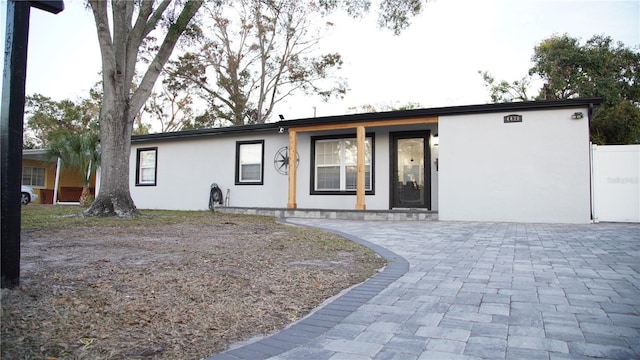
[(601, 68), (121, 36), (598, 68)]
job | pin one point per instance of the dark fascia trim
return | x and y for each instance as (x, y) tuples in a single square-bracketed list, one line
[(367, 117), (446, 111), (205, 132)]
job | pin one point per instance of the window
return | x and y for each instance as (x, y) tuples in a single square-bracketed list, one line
[(249, 162), (146, 168), (33, 176), (335, 164)]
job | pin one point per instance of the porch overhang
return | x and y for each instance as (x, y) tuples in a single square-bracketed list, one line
[(361, 128)]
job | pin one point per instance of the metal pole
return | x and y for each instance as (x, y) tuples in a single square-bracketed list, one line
[(11, 119), (11, 127)]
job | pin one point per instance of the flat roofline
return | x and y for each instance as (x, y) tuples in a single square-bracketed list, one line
[(372, 117), (38, 154)]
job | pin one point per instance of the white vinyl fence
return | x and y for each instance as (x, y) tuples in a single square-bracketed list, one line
[(616, 183)]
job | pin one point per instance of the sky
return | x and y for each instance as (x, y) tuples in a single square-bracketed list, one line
[(435, 62)]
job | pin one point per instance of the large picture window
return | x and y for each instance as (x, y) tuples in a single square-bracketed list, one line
[(146, 167), (249, 162), (33, 176), (335, 164)]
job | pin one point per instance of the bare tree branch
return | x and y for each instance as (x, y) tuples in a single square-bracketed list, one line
[(260, 57), (166, 48), (157, 15)]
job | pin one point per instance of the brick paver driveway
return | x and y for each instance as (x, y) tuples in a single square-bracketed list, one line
[(479, 291)]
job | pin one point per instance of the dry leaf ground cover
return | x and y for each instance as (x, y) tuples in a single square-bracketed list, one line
[(167, 285)]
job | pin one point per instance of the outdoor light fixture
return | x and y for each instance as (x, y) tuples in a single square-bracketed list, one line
[(281, 130), (577, 115), (435, 140)]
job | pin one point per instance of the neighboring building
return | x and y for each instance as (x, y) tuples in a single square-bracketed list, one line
[(49, 179), (524, 161)]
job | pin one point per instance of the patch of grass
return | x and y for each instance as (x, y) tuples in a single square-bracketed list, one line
[(167, 284), (36, 216)]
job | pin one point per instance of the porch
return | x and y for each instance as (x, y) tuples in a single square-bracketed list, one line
[(408, 132), (369, 215)]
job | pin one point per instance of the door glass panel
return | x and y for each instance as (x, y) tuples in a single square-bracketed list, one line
[(409, 173)]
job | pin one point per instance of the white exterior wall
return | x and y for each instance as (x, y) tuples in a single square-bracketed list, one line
[(533, 171), (616, 183), (187, 167)]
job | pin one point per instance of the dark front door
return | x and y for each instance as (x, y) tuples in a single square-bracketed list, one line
[(410, 175)]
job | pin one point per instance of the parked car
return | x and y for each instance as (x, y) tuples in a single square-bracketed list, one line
[(28, 195)]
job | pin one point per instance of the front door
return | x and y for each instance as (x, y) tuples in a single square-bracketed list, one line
[(410, 177)]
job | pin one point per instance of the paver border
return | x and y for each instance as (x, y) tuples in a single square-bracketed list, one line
[(327, 315)]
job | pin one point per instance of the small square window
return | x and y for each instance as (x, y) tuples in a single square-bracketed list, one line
[(146, 167), (249, 162)]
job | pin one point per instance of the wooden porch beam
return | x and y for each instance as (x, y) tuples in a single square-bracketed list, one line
[(367, 124), (360, 168), (293, 171)]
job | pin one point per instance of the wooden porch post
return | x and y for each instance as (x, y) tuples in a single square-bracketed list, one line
[(293, 171), (360, 169)]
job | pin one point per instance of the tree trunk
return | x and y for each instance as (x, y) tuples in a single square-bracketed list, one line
[(119, 52), (85, 197), (114, 198)]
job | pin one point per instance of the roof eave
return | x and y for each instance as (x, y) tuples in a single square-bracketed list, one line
[(368, 117), (205, 132)]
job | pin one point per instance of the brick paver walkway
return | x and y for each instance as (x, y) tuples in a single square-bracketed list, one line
[(461, 290)]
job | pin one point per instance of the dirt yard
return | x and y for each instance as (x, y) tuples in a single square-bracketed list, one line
[(167, 285)]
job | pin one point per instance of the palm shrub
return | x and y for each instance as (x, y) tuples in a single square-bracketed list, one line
[(79, 152)]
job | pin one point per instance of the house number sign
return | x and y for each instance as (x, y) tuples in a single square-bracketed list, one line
[(513, 118)]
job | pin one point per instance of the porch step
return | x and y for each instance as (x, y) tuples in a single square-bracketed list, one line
[(373, 215)]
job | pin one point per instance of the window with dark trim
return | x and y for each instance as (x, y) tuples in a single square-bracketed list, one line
[(146, 166), (33, 176), (249, 162), (334, 164)]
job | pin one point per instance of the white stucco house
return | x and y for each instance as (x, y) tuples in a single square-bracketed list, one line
[(523, 161)]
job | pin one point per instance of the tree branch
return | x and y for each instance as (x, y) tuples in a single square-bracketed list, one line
[(157, 15), (146, 7), (136, 37), (166, 48), (99, 9)]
